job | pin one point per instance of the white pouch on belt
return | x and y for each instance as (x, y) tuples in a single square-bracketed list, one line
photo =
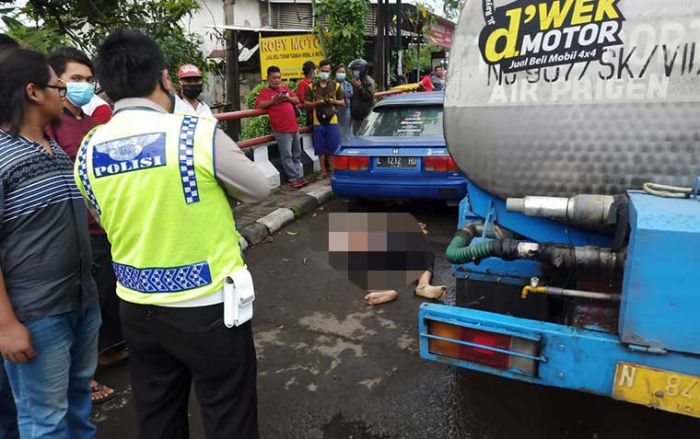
[(239, 295)]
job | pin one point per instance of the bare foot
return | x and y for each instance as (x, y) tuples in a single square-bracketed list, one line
[(425, 290), (379, 297)]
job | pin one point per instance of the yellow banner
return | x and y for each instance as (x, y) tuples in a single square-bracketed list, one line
[(289, 54)]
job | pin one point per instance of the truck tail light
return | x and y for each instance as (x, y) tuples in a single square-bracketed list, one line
[(442, 163), (350, 163), (486, 348)]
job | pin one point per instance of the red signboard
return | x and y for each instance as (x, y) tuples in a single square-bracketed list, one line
[(440, 33)]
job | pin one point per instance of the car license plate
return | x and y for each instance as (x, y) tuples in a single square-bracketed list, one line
[(397, 162), (670, 391)]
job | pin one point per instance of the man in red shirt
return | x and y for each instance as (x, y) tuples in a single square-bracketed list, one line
[(74, 70), (280, 103), (426, 84), (309, 71)]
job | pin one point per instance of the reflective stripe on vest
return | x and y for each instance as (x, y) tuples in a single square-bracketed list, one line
[(151, 177)]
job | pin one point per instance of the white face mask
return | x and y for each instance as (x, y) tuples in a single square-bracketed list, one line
[(324, 75), (356, 74)]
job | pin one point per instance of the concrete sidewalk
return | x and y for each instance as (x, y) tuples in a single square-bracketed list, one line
[(284, 205)]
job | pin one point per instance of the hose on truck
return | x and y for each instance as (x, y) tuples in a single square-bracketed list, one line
[(665, 191), (461, 251)]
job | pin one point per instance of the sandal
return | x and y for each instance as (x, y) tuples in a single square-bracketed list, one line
[(100, 392)]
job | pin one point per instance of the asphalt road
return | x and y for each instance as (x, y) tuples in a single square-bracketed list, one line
[(332, 367)]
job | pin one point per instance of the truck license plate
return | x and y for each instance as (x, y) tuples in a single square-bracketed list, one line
[(397, 162), (670, 391)]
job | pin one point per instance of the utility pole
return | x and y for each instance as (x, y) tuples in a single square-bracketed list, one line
[(380, 43), (419, 31), (233, 86), (399, 43), (387, 42), (420, 37)]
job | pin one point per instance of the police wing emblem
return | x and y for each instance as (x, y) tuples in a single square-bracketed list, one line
[(127, 149)]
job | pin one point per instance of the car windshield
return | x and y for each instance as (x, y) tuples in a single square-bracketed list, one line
[(390, 121)]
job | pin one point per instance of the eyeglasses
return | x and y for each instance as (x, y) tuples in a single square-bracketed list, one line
[(62, 91)]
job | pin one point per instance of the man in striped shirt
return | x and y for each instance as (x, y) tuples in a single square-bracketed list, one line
[(49, 315)]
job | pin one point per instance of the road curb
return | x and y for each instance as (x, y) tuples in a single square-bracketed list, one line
[(277, 219), (307, 201), (305, 205), (321, 194), (254, 233)]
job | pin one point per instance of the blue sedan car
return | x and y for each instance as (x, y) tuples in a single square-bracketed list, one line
[(400, 153)]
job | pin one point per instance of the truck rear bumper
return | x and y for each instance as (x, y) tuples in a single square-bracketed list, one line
[(564, 356)]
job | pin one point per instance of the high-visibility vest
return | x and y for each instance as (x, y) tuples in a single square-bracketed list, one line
[(151, 179)]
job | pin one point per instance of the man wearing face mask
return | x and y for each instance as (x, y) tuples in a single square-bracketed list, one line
[(323, 99), (159, 183), (191, 84), (75, 70)]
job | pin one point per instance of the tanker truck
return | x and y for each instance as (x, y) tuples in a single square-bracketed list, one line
[(577, 125)]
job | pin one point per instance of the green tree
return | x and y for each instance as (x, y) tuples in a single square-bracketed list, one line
[(85, 23), (43, 39), (340, 25), (412, 61), (418, 54)]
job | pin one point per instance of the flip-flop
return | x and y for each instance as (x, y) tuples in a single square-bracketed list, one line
[(100, 388)]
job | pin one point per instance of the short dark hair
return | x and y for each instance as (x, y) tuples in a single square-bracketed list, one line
[(60, 57), (129, 64), (324, 63), (7, 42), (24, 67), (439, 67), (308, 67), (273, 69)]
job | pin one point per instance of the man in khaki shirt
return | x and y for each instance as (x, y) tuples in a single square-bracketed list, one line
[(172, 305)]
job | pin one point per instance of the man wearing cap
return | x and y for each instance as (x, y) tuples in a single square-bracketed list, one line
[(191, 84)]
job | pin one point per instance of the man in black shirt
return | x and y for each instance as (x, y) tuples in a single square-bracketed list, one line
[(363, 93)]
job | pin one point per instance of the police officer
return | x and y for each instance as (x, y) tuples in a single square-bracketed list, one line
[(159, 183)]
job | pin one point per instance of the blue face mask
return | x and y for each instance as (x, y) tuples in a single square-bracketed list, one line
[(324, 75), (80, 93), (340, 76)]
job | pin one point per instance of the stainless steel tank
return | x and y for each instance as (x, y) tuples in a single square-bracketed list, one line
[(563, 97)]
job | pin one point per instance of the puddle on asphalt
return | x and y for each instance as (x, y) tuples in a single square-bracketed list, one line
[(118, 402), (339, 428)]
